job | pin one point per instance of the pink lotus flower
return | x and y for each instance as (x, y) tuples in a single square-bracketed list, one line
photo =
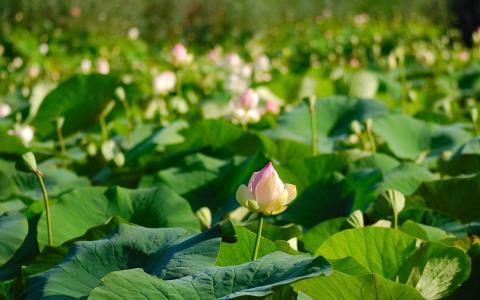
[(180, 55), (245, 108), (266, 193)]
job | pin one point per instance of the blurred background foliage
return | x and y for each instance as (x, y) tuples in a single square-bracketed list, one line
[(213, 21)]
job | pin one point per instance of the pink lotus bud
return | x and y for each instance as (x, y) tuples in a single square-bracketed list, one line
[(5, 110), (272, 107), (249, 99), (103, 67), (164, 82), (34, 71), (180, 55), (266, 193)]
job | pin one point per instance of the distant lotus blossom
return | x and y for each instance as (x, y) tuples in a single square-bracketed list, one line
[(5, 110), (103, 67), (233, 61), (164, 82), (17, 62), (86, 65), (245, 108), (235, 83), (180, 55), (214, 54), (354, 62), (24, 132), (133, 33), (426, 57), (34, 71), (361, 19), (272, 106), (464, 56), (75, 11), (43, 48)]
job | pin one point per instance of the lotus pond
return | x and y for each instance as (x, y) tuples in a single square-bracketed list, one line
[(314, 162)]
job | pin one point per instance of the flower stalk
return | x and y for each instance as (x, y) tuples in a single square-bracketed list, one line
[(258, 238), (39, 176), (313, 124)]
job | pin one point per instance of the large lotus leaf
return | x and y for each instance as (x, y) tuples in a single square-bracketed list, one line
[(425, 232), (169, 253), (13, 230), (306, 171), (465, 160), (241, 251), (10, 144), (380, 250), (405, 178), (253, 279), (75, 212), (436, 270), (57, 181), (457, 197), (333, 116), (379, 161), (315, 236), (341, 286), (408, 137), (322, 200), (79, 100)]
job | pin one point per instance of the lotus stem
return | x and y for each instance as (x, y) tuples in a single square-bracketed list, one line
[(38, 174), (395, 219), (313, 124), (259, 236)]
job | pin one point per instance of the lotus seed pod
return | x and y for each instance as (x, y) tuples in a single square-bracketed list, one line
[(120, 92), (355, 219), (356, 127), (395, 199), (27, 163)]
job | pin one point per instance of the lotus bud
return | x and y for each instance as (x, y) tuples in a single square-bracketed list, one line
[(27, 163), (120, 92), (249, 99), (180, 55), (356, 127), (205, 216), (85, 65), (474, 114), (266, 193), (5, 110), (164, 82), (103, 67), (119, 159), (272, 107), (59, 122), (133, 33), (369, 124)]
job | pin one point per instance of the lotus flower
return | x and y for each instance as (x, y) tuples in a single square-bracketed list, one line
[(103, 67), (24, 132), (266, 193), (164, 82), (180, 55), (245, 108), (5, 110)]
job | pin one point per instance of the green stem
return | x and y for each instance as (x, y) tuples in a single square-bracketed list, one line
[(259, 236), (313, 125), (103, 128), (403, 76), (47, 207), (371, 140), (395, 219), (61, 141)]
